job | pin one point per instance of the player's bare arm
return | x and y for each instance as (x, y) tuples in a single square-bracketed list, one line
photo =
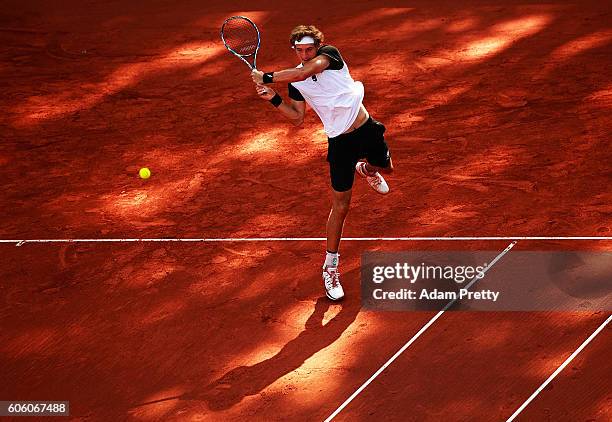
[(293, 111), (311, 67)]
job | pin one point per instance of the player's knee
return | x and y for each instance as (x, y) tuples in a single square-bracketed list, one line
[(341, 207)]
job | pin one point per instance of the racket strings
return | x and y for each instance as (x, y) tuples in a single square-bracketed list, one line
[(240, 36)]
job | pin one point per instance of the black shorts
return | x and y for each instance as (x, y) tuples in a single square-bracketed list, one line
[(344, 151)]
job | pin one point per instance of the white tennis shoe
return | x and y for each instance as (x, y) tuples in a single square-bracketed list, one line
[(376, 182), (331, 280)]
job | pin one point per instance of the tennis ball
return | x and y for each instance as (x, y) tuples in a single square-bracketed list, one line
[(144, 173)]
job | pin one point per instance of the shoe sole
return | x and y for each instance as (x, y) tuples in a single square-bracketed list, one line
[(332, 299), (380, 193)]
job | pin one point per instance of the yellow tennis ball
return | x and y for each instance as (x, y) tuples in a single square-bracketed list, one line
[(144, 173)]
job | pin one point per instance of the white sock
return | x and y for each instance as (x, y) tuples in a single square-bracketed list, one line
[(331, 259)]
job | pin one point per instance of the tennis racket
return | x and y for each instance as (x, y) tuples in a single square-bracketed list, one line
[(241, 37)]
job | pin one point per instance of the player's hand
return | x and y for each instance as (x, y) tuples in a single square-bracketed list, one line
[(265, 92), (257, 76)]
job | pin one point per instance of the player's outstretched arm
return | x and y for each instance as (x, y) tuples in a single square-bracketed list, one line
[(294, 111), (296, 74)]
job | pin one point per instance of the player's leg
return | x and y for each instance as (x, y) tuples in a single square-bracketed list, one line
[(342, 155), (341, 202), (376, 152)]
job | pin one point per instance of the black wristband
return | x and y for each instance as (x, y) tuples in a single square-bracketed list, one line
[(268, 77), (276, 100)]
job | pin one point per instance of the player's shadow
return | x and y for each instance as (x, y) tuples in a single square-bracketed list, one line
[(244, 381)]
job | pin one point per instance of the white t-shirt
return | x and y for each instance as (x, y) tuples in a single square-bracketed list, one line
[(332, 94)]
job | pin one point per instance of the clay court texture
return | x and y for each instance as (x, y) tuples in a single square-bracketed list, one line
[(498, 116)]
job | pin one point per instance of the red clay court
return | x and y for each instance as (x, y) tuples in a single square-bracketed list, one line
[(196, 295)]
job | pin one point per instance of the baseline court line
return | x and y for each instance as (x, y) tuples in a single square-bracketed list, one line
[(415, 337), (20, 242), (559, 369)]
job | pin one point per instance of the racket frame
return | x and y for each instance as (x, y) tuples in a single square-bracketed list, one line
[(242, 56)]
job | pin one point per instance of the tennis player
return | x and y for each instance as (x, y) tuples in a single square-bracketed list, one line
[(322, 80)]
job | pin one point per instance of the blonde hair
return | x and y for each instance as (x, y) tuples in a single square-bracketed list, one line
[(301, 31)]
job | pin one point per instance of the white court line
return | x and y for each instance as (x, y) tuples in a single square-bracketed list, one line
[(559, 369), (20, 242), (416, 336)]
